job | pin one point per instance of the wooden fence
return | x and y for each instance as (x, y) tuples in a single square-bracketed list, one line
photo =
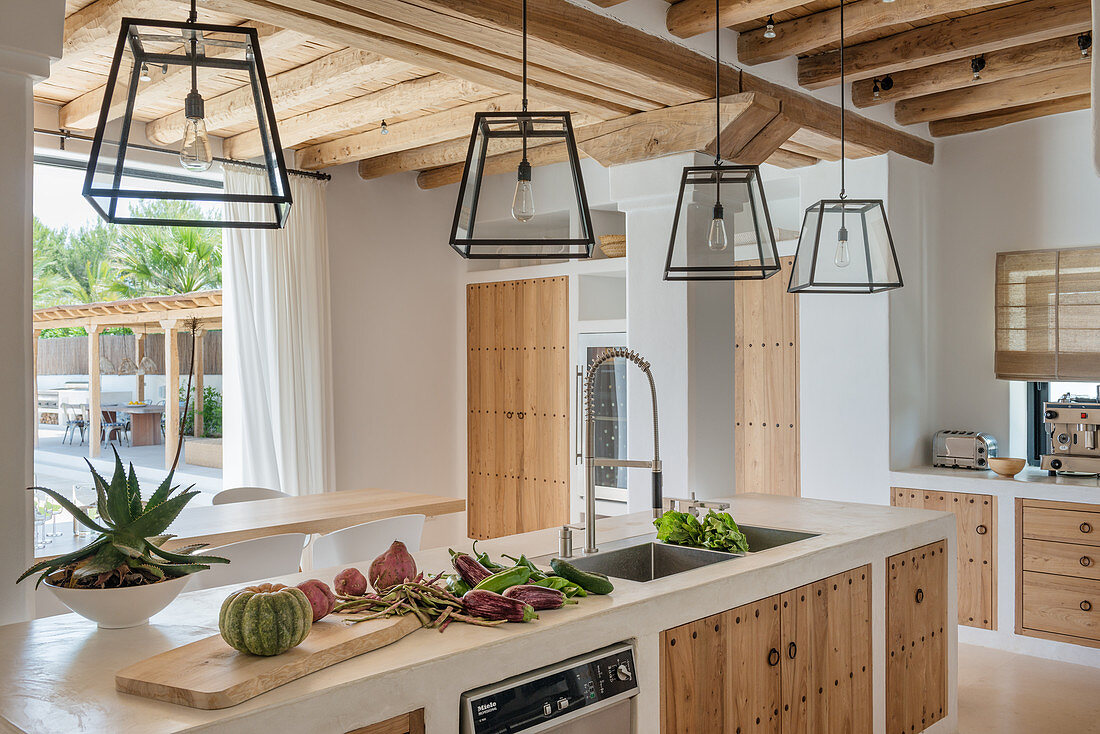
[(68, 355)]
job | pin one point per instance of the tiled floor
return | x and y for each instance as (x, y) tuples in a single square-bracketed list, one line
[(1005, 693)]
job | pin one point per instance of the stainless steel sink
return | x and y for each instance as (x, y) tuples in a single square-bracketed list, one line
[(648, 561), (762, 539), (643, 559)]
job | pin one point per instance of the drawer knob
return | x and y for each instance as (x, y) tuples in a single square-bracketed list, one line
[(1086, 528), (773, 657), (981, 530), (920, 595), (1086, 561), (1086, 606)]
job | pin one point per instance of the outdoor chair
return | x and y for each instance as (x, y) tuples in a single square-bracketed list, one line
[(74, 422), (112, 430), (365, 542)]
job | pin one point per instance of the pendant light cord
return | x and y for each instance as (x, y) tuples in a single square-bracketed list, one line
[(842, 100), (525, 123), (193, 18), (717, 100)]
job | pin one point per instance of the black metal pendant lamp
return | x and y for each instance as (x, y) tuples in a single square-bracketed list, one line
[(544, 216), (192, 192), (845, 245), (722, 229)]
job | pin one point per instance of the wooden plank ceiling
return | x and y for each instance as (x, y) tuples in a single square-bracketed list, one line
[(338, 70), (919, 53)]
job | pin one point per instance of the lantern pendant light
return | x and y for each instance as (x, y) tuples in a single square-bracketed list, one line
[(531, 217), (845, 245), (722, 229), (189, 188)]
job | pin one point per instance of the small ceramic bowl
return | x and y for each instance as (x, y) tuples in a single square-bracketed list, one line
[(1005, 466)]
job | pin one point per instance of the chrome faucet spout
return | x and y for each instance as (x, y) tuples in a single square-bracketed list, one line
[(591, 461)]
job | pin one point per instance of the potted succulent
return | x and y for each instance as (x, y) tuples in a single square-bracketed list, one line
[(125, 575)]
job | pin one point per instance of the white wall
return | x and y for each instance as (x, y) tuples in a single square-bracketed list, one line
[(1025, 186), (398, 315)]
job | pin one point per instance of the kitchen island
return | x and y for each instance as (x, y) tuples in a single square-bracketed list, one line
[(57, 673)]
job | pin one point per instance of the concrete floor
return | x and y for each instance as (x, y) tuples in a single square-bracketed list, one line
[(1007, 693)]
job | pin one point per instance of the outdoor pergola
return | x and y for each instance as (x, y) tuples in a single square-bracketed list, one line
[(167, 314)]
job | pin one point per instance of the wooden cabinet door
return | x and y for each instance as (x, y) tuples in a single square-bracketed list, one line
[(694, 680), (976, 563), (410, 723), (916, 622), (518, 406), (754, 686), (826, 646)]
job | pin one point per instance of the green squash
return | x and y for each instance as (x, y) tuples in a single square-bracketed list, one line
[(268, 619)]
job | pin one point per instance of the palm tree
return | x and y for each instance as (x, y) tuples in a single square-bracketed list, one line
[(163, 260)]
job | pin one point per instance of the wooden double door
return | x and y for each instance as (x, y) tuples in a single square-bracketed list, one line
[(518, 456), (795, 662)]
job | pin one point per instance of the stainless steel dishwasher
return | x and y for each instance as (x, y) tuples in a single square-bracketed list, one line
[(588, 694)]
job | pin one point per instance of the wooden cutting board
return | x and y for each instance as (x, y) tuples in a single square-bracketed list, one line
[(209, 674)]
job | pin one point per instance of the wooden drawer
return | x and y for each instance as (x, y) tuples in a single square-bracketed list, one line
[(1065, 559), (1061, 605), (1063, 526)]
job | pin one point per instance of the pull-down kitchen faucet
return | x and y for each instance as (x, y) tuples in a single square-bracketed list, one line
[(591, 461)]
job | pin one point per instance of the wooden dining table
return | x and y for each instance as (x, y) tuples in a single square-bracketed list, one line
[(312, 513)]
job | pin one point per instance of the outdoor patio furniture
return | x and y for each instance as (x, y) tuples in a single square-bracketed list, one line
[(73, 421), (368, 540), (112, 429), (145, 424)]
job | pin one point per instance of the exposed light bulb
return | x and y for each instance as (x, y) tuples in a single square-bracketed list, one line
[(976, 65), (769, 29), (716, 233), (195, 152), (842, 258), (143, 74), (523, 203), (385, 128), (887, 1), (875, 90)]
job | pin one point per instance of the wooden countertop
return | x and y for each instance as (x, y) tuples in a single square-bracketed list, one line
[(313, 513)]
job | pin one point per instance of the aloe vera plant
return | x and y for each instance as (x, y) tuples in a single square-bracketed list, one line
[(129, 550)]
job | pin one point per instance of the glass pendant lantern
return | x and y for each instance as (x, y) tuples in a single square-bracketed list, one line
[(187, 188), (543, 216), (722, 229), (845, 245)]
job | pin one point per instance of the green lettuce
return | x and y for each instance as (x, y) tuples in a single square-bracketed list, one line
[(679, 528), (720, 532)]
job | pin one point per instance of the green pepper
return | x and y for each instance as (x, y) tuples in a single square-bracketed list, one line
[(562, 584), (457, 585), (484, 560), (505, 579), (523, 560)]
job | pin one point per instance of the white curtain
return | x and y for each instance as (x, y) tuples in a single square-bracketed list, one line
[(277, 422)]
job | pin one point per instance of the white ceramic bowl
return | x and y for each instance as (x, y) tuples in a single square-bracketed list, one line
[(118, 608)]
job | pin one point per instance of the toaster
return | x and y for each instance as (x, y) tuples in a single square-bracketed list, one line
[(963, 449)]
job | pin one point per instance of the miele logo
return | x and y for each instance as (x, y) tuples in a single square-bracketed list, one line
[(485, 708)]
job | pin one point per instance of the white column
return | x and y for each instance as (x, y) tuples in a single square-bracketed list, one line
[(95, 401), (29, 36)]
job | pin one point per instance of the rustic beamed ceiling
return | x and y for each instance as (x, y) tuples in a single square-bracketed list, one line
[(918, 53), (337, 70)]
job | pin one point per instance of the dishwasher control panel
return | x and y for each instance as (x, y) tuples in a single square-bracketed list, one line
[(546, 698)]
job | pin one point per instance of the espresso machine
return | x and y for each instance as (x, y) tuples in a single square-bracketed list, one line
[(1073, 427)]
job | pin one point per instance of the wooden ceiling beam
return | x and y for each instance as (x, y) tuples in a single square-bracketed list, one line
[(433, 34), (788, 158), (541, 155), (420, 131), (806, 150), (987, 120), (312, 82), (767, 141), (94, 28), (800, 35), (970, 35), (1040, 87), (369, 110), (956, 74), (421, 158), (83, 112), (688, 18), (611, 49), (829, 145)]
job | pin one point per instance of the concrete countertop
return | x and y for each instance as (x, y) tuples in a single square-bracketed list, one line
[(57, 673)]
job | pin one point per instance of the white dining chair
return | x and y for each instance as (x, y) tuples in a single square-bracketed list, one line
[(366, 542), (245, 494), (251, 560)]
